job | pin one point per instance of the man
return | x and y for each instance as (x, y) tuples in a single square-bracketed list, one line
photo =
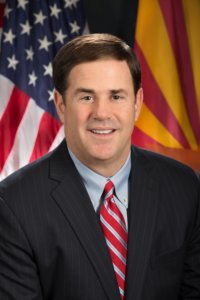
[(62, 234)]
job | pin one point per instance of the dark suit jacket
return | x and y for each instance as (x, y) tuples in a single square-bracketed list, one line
[(52, 247)]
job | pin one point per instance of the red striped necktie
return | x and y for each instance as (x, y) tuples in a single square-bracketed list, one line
[(115, 232)]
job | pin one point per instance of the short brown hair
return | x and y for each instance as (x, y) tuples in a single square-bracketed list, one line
[(91, 47)]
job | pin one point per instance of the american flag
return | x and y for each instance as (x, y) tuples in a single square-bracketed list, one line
[(33, 31)]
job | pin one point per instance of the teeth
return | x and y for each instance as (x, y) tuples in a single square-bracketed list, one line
[(102, 131)]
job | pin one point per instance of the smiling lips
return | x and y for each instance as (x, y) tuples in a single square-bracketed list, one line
[(102, 131)]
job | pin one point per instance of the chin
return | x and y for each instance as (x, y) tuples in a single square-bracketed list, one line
[(99, 156)]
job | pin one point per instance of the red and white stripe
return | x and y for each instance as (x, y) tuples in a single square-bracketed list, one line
[(115, 232), (26, 131)]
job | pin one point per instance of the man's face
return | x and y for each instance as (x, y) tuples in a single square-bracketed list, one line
[(99, 112)]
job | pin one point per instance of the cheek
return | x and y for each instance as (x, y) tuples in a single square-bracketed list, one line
[(128, 122), (127, 116), (75, 118)]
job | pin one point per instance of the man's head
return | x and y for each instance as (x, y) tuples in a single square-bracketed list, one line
[(98, 98), (92, 47)]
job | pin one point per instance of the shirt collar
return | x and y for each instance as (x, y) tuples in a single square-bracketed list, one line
[(95, 183)]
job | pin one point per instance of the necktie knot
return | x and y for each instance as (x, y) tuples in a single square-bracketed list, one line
[(108, 189)]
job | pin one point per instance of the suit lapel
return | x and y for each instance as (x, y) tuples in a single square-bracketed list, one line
[(72, 198), (142, 216)]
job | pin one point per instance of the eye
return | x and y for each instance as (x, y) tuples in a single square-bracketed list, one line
[(117, 97), (86, 98)]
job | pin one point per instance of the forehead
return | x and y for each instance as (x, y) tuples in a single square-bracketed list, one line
[(110, 71)]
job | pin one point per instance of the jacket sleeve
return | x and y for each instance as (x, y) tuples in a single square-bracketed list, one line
[(18, 272), (190, 288)]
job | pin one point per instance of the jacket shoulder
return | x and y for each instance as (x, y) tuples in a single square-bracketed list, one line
[(164, 165)]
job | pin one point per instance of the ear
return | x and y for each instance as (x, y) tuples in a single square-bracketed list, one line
[(138, 103), (59, 104)]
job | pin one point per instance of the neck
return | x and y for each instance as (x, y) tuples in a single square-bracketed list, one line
[(106, 168)]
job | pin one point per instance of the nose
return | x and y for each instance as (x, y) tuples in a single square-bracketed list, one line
[(101, 109)]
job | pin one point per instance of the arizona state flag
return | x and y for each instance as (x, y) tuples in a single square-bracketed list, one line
[(167, 43)]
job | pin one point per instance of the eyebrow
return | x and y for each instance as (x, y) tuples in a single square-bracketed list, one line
[(118, 91), (84, 90), (91, 91)]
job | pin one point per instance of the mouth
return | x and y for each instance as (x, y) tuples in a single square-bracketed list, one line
[(102, 131)]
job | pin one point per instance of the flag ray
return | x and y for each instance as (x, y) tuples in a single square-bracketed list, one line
[(159, 106), (156, 131), (192, 21), (175, 25), (167, 42), (141, 139), (156, 54)]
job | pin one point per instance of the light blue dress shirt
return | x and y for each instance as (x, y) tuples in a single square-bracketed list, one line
[(95, 184)]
